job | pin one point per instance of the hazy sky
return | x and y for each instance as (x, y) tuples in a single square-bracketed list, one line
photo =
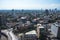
[(29, 4)]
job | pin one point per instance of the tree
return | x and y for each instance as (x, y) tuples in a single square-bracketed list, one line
[(51, 21)]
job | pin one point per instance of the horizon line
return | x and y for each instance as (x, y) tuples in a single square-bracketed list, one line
[(32, 9)]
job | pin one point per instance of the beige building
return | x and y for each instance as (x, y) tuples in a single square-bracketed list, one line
[(39, 27)]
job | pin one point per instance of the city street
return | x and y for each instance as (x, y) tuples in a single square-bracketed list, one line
[(10, 35)]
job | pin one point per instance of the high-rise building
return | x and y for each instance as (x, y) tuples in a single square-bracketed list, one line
[(40, 32), (55, 29)]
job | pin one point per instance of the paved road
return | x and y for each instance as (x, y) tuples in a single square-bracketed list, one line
[(10, 34), (3, 37)]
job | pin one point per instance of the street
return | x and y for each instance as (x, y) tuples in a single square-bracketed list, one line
[(10, 34)]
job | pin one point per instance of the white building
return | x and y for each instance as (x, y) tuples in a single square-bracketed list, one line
[(55, 29)]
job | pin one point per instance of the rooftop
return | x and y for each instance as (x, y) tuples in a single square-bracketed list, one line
[(56, 24)]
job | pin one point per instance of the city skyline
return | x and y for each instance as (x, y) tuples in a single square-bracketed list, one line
[(29, 4)]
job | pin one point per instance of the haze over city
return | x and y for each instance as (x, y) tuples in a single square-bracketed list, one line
[(29, 19), (29, 4)]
